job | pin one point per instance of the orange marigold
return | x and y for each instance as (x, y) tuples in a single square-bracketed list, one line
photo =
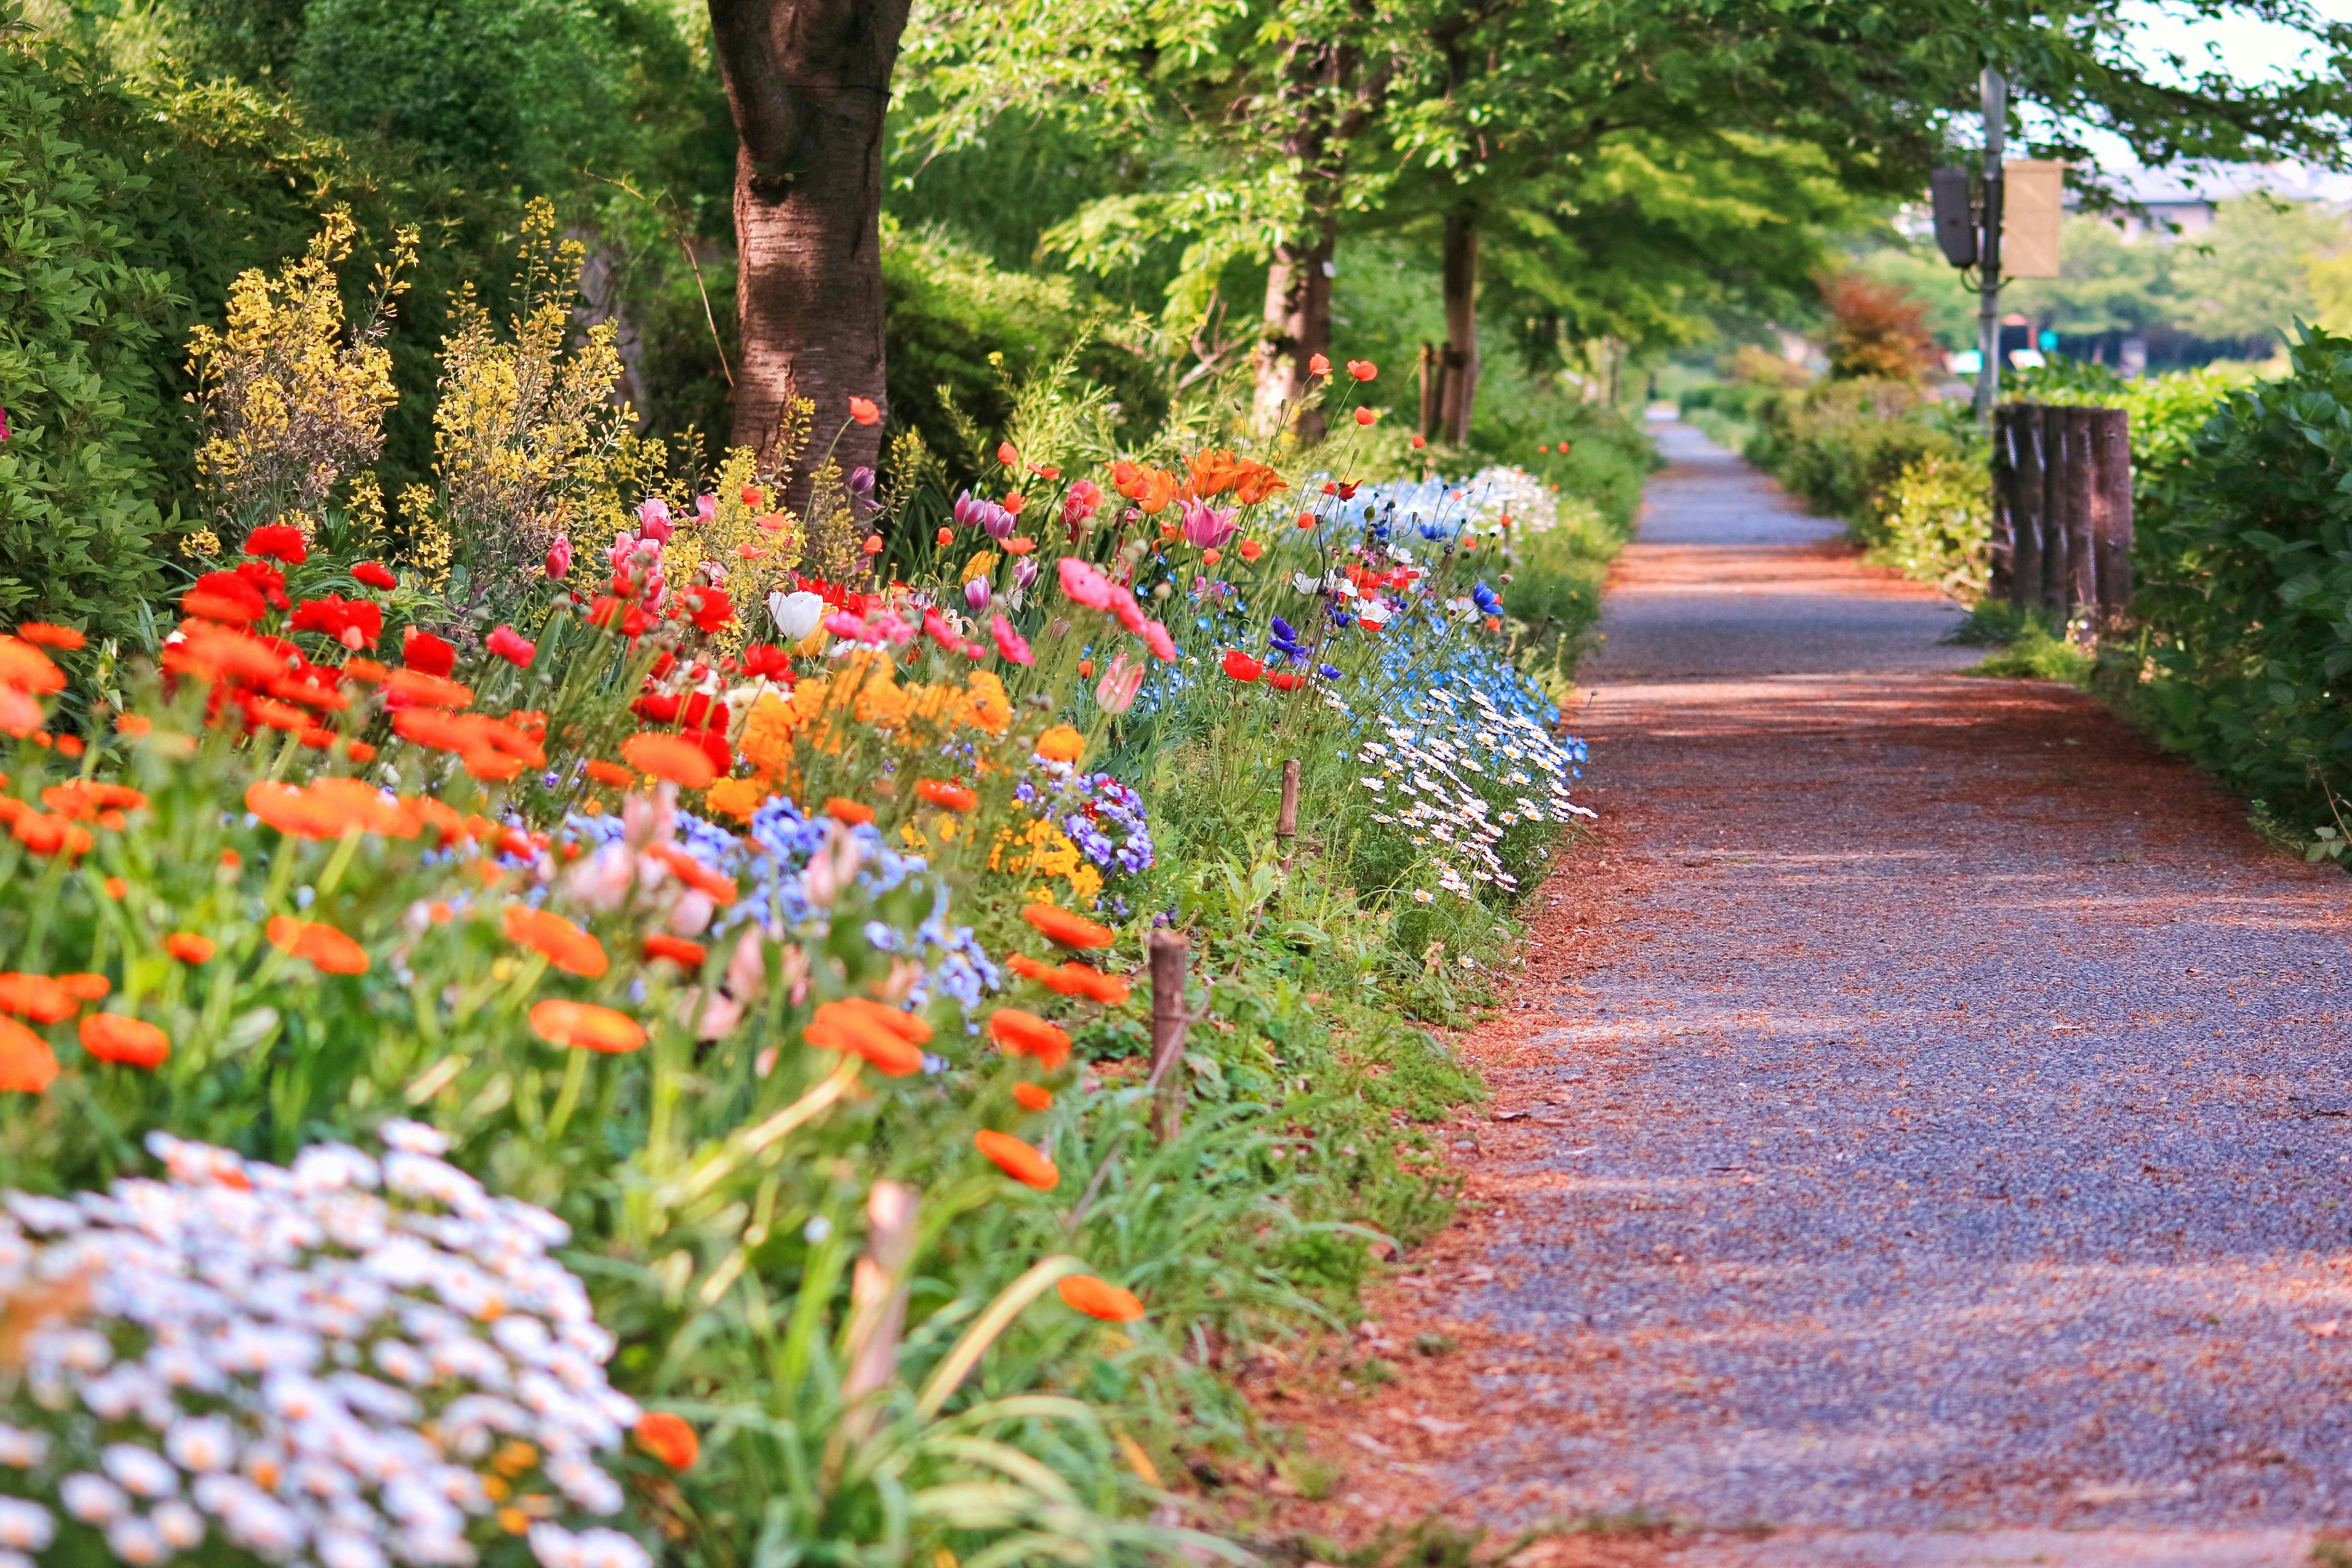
[(584, 1025), (118, 1038), (1069, 929), (1023, 1034), (671, 757), (26, 1064), (1017, 1160), (319, 943), (27, 669), (1099, 1299), (1061, 744), (569, 948), (296, 812)]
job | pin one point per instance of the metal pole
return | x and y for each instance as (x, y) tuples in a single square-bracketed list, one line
[(1996, 116)]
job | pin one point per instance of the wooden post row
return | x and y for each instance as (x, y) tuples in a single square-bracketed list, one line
[(2061, 523)]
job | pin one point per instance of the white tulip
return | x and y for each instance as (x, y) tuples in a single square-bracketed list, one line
[(796, 615)]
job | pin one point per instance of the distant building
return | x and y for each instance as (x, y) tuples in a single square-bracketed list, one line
[(2179, 204)]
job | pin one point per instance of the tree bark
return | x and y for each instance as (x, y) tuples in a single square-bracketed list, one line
[(808, 81), (1459, 386), (1298, 328)]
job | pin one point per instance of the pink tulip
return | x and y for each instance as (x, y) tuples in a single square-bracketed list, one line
[(1085, 583), (559, 558), (1116, 691), (1206, 527)]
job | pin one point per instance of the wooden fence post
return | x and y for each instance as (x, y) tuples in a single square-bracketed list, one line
[(2028, 500), (1285, 818), (2109, 442), (2077, 586), (1169, 955), (2001, 538)]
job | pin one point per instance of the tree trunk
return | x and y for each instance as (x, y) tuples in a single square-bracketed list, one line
[(1458, 389), (808, 81), (1298, 328)]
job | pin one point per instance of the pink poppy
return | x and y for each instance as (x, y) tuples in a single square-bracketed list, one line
[(1085, 583), (1156, 637), (1010, 643)]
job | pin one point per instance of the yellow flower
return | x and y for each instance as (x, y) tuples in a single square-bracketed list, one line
[(738, 798), (987, 708), (980, 565)]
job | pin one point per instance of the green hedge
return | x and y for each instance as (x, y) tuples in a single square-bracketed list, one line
[(1840, 446)]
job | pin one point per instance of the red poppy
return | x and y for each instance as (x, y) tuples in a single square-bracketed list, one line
[(376, 575), (1099, 1299), (1240, 665), (117, 1037), (863, 411), (351, 622), (224, 596), (947, 796), (1069, 929), (513, 646), (1319, 365), (424, 652), (1366, 415), (677, 949), (1363, 369), (278, 543), (847, 812), (668, 1439), (1017, 1160), (1033, 1097)]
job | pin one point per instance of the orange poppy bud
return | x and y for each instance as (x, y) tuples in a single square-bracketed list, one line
[(946, 796), (118, 1038), (668, 1439), (584, 1025), (1099, 1299), (189, 948), (1033, 1097), (1211, 557), (1418, 443), (1306, 520), (677, 949), (1086, 669), (1017, 1160)]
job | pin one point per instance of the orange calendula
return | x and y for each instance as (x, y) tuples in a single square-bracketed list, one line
[(1061, 744), (584, 1025), (27, 1066), (1023, 1034), (118, 1038), (569, 948), (1017, 1160), (1069, 929), (670, 757), (318, 942), (1099, 1299), (50, 636)]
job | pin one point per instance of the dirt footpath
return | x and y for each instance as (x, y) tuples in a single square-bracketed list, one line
[(1921, 1135)]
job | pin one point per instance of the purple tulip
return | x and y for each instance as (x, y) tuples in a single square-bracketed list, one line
[(1206, 528), (1025, 572), (975, 593)]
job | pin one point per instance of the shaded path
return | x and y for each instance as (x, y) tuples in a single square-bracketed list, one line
[(1926, 1111)]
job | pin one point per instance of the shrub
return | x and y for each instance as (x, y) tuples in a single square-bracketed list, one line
[(78, 384), (1840, 446), (1937, 524)]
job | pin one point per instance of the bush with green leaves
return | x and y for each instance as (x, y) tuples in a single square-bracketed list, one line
[(1840, 446), (79, 330)]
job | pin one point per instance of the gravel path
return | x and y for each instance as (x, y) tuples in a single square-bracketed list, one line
[(1923, 1126)]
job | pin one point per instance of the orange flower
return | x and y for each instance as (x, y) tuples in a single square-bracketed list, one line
[(189, 948), (668, 1439), (1069, 929), (671, 757), (1079, 979), (1023, 1034), (118, 1038), (1031, 1096), (319, 943), (865, 410), (295, 812), (133, 725), (719, 890), (50, 834), (1099, 1299), (1017, 1160), (1250, 549), (886, 1037), (27, 669), (50, 636), (569, 948), (611, 773), (277, 715), (847, 812), (946, 796), (585, 1026), (427, 691), (88, 802), (26, 1063), (1061, 744), (86, 987), (677, 949), (492, 767), (38, 997)]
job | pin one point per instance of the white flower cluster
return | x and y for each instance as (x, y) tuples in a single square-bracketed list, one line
[(1450, 819), (1503, 492), (350, 1362)]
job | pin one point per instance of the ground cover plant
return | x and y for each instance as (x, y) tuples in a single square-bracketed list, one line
[(574, 1014)]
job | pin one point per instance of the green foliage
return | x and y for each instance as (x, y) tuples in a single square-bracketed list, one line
[(965, 334), (1937, 525), (80, 326), (2249, 588), (2034, 653), (1840, 446)]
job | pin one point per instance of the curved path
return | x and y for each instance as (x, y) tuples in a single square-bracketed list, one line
[(1921, 1132)]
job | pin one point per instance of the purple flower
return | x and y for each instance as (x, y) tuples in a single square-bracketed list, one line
[(975, 593), (1025, 572), (1206, 527)]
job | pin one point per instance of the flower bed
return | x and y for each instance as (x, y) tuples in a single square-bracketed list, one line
[(646, 1057)]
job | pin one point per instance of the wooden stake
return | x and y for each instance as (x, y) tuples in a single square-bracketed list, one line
[(1285, 820), (2111, 513), (2071, 576), (2002, 532), (2028, 502), (1170, 952)]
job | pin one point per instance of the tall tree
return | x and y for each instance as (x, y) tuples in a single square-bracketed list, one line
[(809, 81)]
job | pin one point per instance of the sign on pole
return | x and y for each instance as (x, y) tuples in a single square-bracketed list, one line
[(2033, 196)]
